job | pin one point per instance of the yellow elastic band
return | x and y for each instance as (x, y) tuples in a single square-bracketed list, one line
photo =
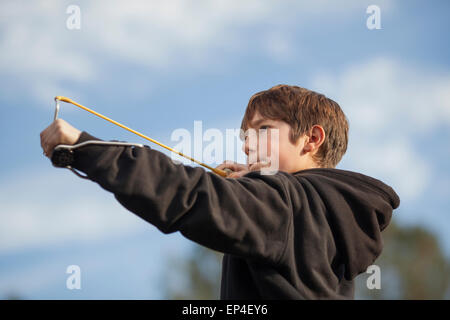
[(217, 171)]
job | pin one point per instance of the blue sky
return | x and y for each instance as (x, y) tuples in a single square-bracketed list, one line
[(157, 66)]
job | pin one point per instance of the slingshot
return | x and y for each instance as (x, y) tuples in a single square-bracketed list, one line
[(62, 155)]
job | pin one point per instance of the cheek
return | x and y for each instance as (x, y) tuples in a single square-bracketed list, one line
[(268, 146), (286, 150), (265, 145), (275, 145)]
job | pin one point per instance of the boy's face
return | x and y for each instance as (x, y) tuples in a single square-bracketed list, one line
[(268, 140)]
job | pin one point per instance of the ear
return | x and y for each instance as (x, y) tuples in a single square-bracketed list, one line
[(314, 139)]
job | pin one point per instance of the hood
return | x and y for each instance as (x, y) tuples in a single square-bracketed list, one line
[(358, 208)]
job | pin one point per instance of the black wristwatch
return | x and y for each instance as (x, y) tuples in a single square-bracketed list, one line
[(63, 154)]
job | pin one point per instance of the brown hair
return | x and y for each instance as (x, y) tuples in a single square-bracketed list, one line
[(302, 109)]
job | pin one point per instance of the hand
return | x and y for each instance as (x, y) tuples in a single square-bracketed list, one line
[(239, 169), (59, 132)]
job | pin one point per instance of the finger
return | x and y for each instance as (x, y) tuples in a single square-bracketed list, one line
[(234, 166), (225, 164), (47, 131), (258, 165), (43, 135), (232, 175), (46, 136), (54, 140), (237, 174), (221, 166), (42, 142), (50, 139), (227, 171)]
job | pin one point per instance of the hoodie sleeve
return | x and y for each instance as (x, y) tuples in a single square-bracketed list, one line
[(248, 216)]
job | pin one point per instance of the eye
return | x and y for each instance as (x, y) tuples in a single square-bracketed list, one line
[(264, 128)]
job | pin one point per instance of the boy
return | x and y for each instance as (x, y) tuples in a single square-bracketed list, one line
[(304, 232)]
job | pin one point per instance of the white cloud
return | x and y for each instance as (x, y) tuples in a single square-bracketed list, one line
[(394, 161), (49, 208), (383, 94), (278, 46), (37, 49), (389, 105)]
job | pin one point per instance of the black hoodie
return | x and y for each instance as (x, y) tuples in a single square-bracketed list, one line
[(304, 235)]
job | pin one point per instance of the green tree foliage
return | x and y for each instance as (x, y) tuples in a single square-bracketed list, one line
[(412, 264), (200, 276)]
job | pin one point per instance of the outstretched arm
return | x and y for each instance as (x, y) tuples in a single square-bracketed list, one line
[(249, 216)]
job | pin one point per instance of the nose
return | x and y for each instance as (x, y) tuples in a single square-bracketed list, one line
[(245, 147), (250, 145)]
